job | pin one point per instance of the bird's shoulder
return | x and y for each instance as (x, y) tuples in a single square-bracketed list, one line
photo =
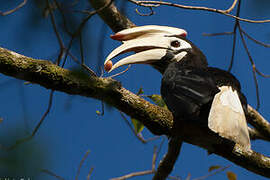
[(186, 89), (223, 78)]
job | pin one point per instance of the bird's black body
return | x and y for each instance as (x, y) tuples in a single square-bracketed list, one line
[(188, 91), (191, 90)]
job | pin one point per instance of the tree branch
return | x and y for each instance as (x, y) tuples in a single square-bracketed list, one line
[(13, 10), (158, 120), (166, 165), (111, 15), (258, 122), (42, 72)]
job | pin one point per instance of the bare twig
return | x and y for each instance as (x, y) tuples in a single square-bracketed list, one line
[(100, 55), (139, 136), (13, 10), (255, 40), (90, 173), (232, 7), (20, 141), (24, 109), (152, 12), (81, 163), (92, 73), (249, 55), (236, 25), (122, 72), (217, 34), (233, 49), (224, 12), (212, 173), (262, 74), (78, 31), (253, 67), (46, 171), (58, 36), (141, 173)]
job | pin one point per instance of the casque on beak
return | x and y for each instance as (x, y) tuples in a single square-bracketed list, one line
[(148, 42)]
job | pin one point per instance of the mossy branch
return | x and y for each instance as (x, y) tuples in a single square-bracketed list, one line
[(158, 120)]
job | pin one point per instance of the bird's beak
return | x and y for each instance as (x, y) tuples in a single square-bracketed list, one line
[(148, 42)]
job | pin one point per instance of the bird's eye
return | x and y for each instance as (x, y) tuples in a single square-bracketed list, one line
[(175, 44)]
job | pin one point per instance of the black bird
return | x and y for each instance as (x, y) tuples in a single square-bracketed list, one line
[(191, 90)]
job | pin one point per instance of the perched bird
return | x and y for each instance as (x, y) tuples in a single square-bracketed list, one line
[(191, 90)]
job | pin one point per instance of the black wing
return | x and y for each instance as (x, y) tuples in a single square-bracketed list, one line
[(185, 90)]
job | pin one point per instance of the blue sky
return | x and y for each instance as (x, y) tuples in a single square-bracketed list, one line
[(73, 127)]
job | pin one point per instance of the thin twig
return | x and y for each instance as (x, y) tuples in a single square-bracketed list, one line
[(81, 48), (253, 66), (24, 109), (13, 10), (20, 141), (100, 54), (154, 159), (236, 25), (81, 163), (90, 173), (60, 41), (152, 12), (52, 174), (154, 3), (232, 7), (117, 74), (255, 40), (92, 73), (141, 173), (81, 26), (217, 34), (58, 36), (139, 136), (212, 173), (59, 7), (262, 74)]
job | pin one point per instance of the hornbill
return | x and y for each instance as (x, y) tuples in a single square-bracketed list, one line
[(191, 90)]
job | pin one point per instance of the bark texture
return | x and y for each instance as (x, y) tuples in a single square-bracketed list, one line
[(158, 120)]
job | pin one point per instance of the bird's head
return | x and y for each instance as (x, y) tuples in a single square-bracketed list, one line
[(155, 45)]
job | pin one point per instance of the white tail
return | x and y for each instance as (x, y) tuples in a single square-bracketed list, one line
[(227, 117)]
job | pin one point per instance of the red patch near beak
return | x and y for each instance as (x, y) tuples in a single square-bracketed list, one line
[(108, 66), (184, 35), (118, 37)]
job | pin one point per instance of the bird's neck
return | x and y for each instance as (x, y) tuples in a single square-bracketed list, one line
[(195, 58)]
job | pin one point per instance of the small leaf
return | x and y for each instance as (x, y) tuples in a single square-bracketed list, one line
[(231, 175), (1, 120), (211, 168), (157, 100), (98, 112), (140, 91), (138, 126), (188, 176)]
